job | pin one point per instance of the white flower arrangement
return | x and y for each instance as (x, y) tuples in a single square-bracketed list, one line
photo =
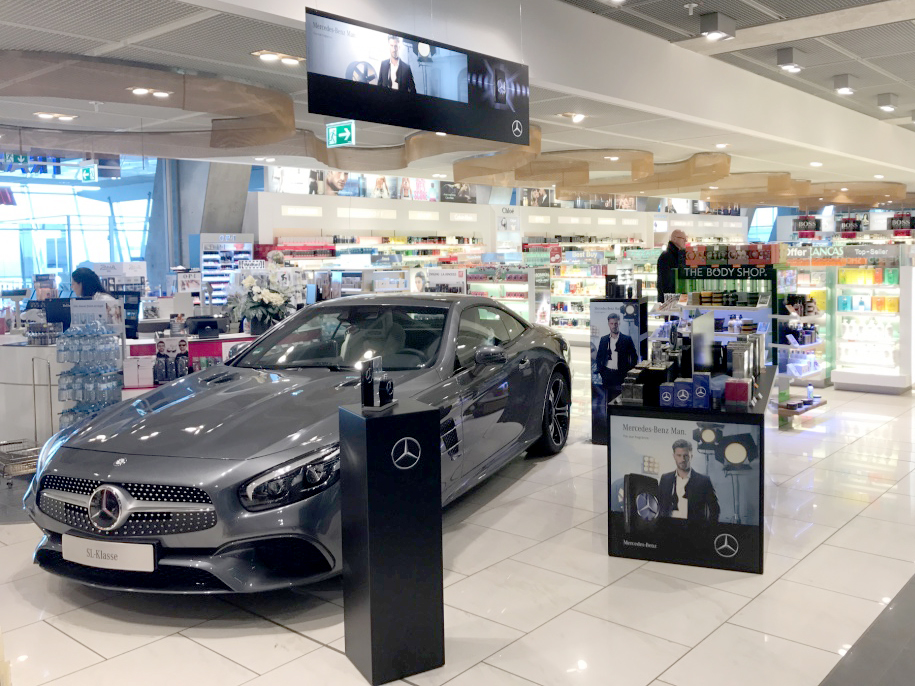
[(266, 304)]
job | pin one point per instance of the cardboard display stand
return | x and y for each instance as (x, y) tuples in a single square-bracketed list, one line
[(390, 485)]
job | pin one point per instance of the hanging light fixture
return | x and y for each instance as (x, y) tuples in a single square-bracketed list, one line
[(717, 26), (844, 84), (888, 102), (787, 59)]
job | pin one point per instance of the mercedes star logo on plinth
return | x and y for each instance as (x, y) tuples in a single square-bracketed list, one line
[(517, 128), (406, 453), (107, 510), (726, 545)]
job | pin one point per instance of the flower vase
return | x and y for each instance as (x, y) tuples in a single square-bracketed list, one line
[(260, 326)]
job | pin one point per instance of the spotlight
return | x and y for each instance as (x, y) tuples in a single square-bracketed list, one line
[(717, 26), (578, 118), (713, 188), (440, 133), (887, 102), (44, 115), (787, 60), (708, 435), (290, 61), (66, 117), (612, 159), (140, 91), (161, 94), (737, 452), (843, 190), (424, 49), (844, 84), (270, 159), (878, 176), (816, 164), (269, 56), (722, 146)]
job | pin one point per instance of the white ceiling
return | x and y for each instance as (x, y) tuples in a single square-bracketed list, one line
[(184, 36)]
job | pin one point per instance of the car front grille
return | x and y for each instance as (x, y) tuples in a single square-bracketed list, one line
[(167, 510)]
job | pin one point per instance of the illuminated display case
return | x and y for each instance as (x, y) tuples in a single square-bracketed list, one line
[(524, 290)]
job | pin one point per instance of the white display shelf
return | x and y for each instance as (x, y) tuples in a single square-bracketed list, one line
[(871, 379), (870, 287), (808, 346), (577, 278), (868, 313), (727, 308), (808, 319), (585, 296)]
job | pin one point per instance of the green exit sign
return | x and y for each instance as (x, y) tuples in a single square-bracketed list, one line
[(9, 158), (88, 173), (341, 133)]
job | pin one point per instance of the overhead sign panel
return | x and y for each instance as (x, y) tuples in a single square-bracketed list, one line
[(366, 72)]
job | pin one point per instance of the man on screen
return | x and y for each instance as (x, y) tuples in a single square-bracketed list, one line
[(395, 73), (685, 493)]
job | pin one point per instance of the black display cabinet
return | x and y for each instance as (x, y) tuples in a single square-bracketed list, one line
[(686, 485), (391, 509)]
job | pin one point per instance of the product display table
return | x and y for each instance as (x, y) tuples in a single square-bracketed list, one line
[(686, 485)]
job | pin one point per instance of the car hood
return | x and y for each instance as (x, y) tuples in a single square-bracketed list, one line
[(234, 413)]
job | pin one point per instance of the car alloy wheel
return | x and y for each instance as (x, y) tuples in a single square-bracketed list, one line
[(558, 411)]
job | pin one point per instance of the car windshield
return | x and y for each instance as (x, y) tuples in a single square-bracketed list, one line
[(339, 336)]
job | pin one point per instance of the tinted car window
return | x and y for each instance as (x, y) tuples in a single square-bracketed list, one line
[(479, 326), (406, 337), (515, 328)]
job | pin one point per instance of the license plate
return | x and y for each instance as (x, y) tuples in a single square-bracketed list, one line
[(127, 557)]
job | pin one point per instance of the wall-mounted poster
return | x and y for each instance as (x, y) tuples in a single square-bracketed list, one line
[(616, 334), (626, 202), (459, 192), (686, 492), (602, 202), (537, 197)]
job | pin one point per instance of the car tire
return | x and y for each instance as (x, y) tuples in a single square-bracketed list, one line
[(556, 417)]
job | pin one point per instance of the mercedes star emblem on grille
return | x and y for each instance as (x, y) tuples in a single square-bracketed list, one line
[(107, 510), (406, 453), (726, 545)]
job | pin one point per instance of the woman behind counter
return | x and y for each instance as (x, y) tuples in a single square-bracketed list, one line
[(86, 284)]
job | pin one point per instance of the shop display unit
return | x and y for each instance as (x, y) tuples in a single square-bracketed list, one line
[(572, 287), (439, 280), (334, 250), (524, 290), (219, 257), (94, 381), (391, 281)]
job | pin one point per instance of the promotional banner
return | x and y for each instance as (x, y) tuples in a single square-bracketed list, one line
[(686, 492), (615, 338), (459, 192)]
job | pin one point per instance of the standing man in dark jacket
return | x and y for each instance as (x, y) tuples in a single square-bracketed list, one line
[(668, 263), (616, 355)]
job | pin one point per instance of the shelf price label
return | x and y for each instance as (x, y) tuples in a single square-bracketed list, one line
[(341, 133)]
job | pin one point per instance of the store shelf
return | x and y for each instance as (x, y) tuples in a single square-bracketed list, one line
[(497, 283), (808, 346), (785, 412), (815, 372), (519, 300), (586, 296), (808, 319), (871, 286), (729, 308), (893, 343), (867, 313)]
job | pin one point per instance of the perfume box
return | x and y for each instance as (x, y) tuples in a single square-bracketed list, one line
[(738, 393), (683, 393), (702, 390), (666, 394)]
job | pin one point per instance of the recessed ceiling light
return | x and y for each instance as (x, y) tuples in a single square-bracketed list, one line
[(878, 176), (722, 145), (274, 56), (886, 196), (269, 56), (713, 188), (259, 159), (161, 94), (816, 164), (140, 91), (843, 189), (270, 159), (612, 159), (578, 118), (290, 61), (66, 117), (44, 115), (440, 133), (821, 198)]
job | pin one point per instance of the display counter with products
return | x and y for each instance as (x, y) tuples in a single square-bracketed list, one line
[(524, 290)]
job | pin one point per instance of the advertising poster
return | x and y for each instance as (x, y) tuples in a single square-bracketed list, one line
[(459, 192), (537, 197), (686, 492), (615, 344), (626, 202), (109, 312), (542, 297), (445, 281), (188, 282), (602, 202)]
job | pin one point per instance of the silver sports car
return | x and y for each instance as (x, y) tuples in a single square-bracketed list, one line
[(227, 480)]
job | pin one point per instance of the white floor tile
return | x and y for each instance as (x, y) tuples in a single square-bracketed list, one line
[(468, 640), (749, 585), (39, 653), (450, 577), (171, 660), (581, 493), (892, 507), (323, 667), (546, 470), (881, 447), (310, 616), (794, 538), (905, 486), (783, 463), (531, 518), (599, 474), (588, 453), (114, 626), (580, 650), (599, 524), (518, 595), (815, 508), (866, 488), (18, 533), (863, 575), (251, 641), (805, 446), (867, 465), (664, 606), (41, 596), (812, 616), (500, 489), (16, 561), (734, 655), (877, 536), (468, 548), (487, 675), (580, 554)]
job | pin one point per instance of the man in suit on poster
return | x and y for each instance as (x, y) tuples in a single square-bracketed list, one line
[(616, 355), (395, 73), (685, 493)]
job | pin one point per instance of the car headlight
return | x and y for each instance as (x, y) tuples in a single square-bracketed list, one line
[(293, 481)]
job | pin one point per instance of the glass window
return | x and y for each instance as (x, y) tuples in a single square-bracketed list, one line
[(484, 326), (405, 337)]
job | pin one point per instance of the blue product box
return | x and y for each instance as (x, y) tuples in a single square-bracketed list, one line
[(683, 393), (666, 394), (844, 304), (702, 390)]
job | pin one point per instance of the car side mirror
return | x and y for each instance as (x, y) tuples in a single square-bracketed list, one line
[(236, 349), (489, 354)]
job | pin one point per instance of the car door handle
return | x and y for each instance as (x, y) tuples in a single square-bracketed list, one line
[(524, 363)]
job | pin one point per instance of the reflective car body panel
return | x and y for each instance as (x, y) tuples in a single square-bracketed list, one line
[(202, 437)]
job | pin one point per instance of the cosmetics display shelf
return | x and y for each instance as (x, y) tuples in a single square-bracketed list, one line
[(808, 346), (759, 309), (807, 375), (867, 313), (808, 319), (507, 285)]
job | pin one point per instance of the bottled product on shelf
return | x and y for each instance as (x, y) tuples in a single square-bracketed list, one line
[(94, 382)]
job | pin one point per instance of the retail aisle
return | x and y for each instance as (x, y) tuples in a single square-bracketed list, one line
[(532, 597)]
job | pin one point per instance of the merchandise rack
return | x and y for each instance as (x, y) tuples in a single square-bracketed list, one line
[(524, 290), (572, 286)]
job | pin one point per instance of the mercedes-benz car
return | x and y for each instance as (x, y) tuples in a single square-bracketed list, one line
[(228, 480)]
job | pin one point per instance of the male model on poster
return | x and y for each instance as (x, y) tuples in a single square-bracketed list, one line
[(616, 355), (685, 493), (395, 73)]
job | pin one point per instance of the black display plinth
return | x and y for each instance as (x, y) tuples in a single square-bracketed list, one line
[(390, 485), (686, 485)]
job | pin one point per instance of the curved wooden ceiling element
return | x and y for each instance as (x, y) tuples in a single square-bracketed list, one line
[(778, 188), (684, 176), (244, 115)]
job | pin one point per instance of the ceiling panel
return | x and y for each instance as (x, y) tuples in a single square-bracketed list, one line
[(823, 75), (18, 38), (665, 130), (598, 114), (878, 41), (810, 53), (901, 66), (794, 9), (645, 25), (539, 94), (111, 21), (674, 12)]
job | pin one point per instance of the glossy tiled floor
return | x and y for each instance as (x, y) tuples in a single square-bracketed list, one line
[(531, 595)]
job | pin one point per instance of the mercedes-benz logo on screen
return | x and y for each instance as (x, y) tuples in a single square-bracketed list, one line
[(517, 128), (647, 506), (726, 545), (406, 453)]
